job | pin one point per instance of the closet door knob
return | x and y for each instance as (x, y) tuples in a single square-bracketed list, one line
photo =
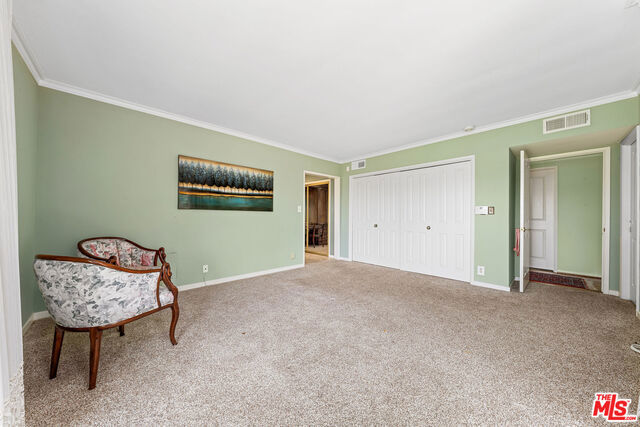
[(375, 225), (428, 227)]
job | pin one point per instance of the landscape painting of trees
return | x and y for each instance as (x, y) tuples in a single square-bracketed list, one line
[(206, 184)]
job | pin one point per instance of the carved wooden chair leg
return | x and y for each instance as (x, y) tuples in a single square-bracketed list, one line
[(175, 313), (95, 336), (121, 329), (58, 335)]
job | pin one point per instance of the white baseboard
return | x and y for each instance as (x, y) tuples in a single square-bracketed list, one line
[(575, 273), (238, 277), (34, 316), (44, 314), (638, 314), (490, 286), (614, 293), (342, 258), (517, 278)]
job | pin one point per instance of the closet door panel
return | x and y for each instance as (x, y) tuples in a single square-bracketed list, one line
[(389, 220)]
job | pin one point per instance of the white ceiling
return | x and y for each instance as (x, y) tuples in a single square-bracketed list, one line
[(338, 78)]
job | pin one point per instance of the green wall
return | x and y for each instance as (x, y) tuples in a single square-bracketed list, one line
[(97, 169), (580, 215), (493, 181), (26, 105), (104, 170)]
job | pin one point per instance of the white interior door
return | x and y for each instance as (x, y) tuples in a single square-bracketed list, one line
[(417, 215), (389, 221), (360, 222), (524, 220), (376, 220), (542, 197), (451, 197)]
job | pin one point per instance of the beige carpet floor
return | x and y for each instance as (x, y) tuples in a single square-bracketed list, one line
[(347, 343)]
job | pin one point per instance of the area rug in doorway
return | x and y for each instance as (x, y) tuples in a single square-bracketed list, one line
[(557, 279)]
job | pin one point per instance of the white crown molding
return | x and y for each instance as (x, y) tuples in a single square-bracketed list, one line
[(523, 119), (27, 57), (38, 75), (96, 96)]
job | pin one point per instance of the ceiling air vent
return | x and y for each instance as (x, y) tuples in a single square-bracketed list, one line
[(567, 121), (358, 164)]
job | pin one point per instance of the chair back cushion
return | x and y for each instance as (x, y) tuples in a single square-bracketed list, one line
[(102, 248), (82, 295), (130, 255), (127, 254)]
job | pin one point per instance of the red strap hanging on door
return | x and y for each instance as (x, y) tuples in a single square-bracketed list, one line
[(517, 248)]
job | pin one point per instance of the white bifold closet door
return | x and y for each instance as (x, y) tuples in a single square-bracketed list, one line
[(418, 220), (376, 223)]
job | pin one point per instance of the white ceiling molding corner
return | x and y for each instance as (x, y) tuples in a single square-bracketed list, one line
[(63, 87), (379, 79), (41, 80), (28, 58), (530, 117)]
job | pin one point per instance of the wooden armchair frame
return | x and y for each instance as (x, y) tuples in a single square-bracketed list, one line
[(95, 333), (159, 256)]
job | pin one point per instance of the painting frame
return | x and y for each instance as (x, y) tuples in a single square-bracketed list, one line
[(214, 185)]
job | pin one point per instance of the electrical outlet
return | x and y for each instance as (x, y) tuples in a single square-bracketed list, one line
[(481, 270), (299, 209), (205, 268), (292, 256)]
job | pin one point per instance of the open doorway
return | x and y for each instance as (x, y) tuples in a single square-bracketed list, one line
[(564, 219), (317, 218), (321, 217)]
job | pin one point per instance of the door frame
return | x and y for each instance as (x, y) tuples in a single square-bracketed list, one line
[(626, 210), (471, 159), (306, 211), (334, 184), (555, 213), (606, 204)]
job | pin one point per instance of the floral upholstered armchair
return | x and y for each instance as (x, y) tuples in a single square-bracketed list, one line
[(86, 295), (121, 251)]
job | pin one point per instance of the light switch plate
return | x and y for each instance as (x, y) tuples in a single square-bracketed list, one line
[(482, 210)]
